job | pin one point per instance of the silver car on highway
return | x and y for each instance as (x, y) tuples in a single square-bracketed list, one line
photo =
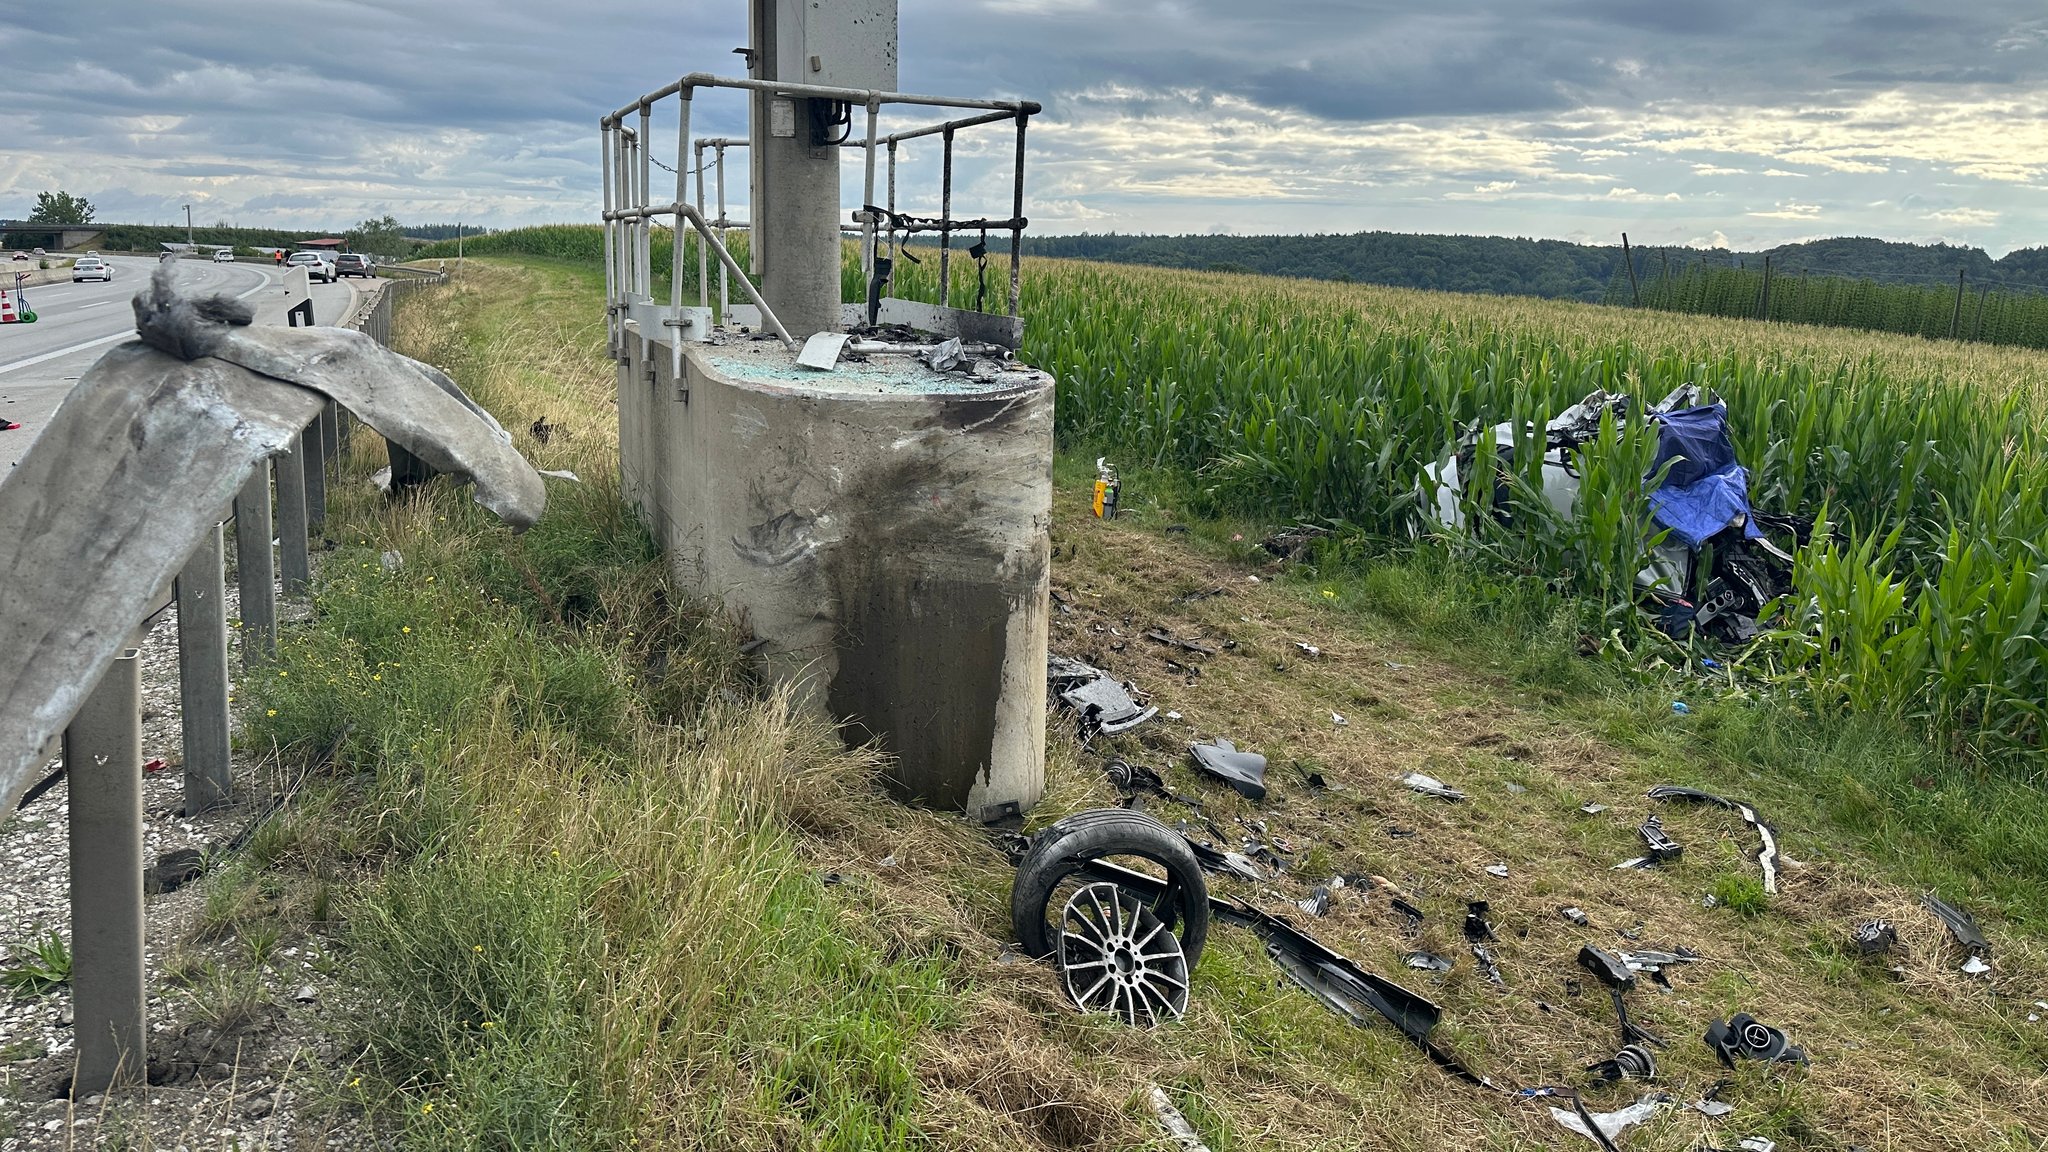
[(91, 268)]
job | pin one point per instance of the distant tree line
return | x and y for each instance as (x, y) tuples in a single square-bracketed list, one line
[(1522, 267)]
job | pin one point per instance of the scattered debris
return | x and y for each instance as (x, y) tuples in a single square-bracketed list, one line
[(1176, 1125), (1875, 937), (1975, 966), (1427, 962), (1243, 771), (1131, 778), (1591, 809), (1576, 916), (1430, 786), (1633, 1062), (1679, 708), (1610, 1124), (1663, 849), (153, 765), (1337, 720), (1619, 977), (1220, 860), (1318, 902), (1477, 929), (1960, 925), (1484, 959), (544, 431), (1115, 956), (1745, 1037), (1308, 650), (1652, 964), (1767, 858), (1160, 635), (1499, 871), (173, 870), (1290, 543), (1102, 703)]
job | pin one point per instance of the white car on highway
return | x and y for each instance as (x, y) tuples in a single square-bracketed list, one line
[(91, 268), (318, 265), (223, 256)]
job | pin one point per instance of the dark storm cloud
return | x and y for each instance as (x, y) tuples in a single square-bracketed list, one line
[(430, 109)]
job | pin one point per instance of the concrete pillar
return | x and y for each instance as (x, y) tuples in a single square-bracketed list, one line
[(313, 457), (294, 556), (203, 675), (103, 761), (795, 209), (886, 532), (256, 569)]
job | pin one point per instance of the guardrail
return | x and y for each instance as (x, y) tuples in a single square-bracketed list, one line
[(101, 745)]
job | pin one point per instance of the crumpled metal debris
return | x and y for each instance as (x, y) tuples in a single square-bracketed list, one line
[(1243, 771), (1633, 1062), (150, 447), (1176, 1124), (1095, 695), (1874, 937)]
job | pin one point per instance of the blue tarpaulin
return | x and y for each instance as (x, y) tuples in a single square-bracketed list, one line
[(1706, 489)]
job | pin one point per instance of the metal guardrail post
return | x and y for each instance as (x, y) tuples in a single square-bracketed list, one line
[(313, 458), (294, 558), (203, 676), (256, 569), (103, 759), (330, 435)]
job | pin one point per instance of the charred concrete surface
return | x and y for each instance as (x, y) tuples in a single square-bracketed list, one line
[(885, 531)]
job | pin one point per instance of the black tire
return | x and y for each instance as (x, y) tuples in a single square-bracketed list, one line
[(1059, 853)]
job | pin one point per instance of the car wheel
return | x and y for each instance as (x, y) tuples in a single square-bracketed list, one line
[(1054, 868)]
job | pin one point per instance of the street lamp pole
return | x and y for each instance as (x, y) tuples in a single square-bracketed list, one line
[(188, 227)]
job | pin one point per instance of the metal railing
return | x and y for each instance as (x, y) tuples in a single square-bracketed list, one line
[(101, 745), (626, 153)]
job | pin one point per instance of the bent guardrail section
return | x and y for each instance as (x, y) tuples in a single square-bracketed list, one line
[(126, 492)]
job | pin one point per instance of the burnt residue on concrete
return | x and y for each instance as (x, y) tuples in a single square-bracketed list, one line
[(924, 608)]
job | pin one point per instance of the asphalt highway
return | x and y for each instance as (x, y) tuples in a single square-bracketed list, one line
[(77, 323)]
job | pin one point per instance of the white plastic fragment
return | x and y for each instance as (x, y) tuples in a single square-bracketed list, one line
[(1337, 719), (1176, 1124), (1612, 1123), (1713, 1108), (1975, 966), (1499, 870)]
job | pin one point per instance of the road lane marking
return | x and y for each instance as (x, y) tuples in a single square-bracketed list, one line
[(95, 304), (121, 335)]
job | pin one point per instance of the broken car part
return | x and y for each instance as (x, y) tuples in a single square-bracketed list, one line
[(1115, 956), (1487, 966), (1576, 916), (1478, 930), (1663, 849), (1745, 1037), (1652, 964), (1243, 771), (1960, 925), (1614, 972), (1065, 853), (1430, 786), (1427, 962), (1633, 1062), (1103, 704), (1874, 937), (1766, 858)]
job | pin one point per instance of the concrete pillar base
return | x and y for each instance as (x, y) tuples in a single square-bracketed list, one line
[(884, 529)]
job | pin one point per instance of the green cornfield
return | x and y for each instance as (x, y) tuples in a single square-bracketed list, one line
[(1304, 400), (1982, 313)]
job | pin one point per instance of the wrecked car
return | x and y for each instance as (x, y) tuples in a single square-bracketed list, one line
[(1719, 562)]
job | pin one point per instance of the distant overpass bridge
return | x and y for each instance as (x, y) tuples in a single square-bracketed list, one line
[(57, 237)]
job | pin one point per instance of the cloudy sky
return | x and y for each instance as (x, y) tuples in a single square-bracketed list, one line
[(1745, 122)]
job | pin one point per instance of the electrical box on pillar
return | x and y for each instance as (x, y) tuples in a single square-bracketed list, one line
[(866, 482)]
